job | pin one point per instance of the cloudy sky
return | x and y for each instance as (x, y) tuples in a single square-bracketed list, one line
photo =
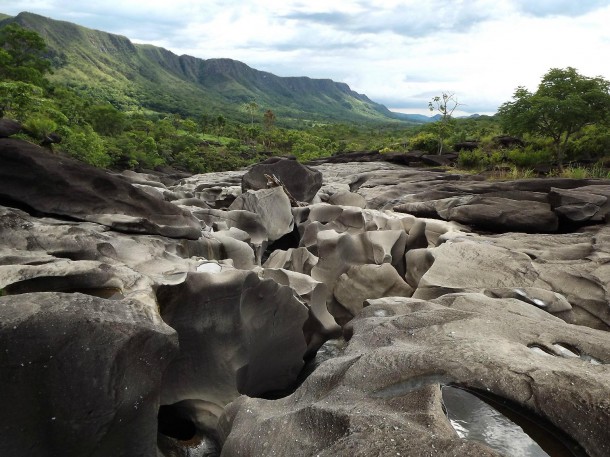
[(398, 52)]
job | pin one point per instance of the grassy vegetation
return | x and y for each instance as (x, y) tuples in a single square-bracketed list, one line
[(111, 68), (137, 107)]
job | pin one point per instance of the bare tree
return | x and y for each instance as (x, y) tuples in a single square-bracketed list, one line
[(445, 104)]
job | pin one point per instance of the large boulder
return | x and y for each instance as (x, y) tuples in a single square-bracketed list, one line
[(466, 266), (320, 325), (9, 127), (301, 181), (273, 208), (363, 282), (386, 393), (581, 204), (489, 213), (80, 375), (32, 178), (238, 334)]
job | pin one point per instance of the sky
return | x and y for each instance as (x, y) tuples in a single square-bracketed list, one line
[(398, 53)]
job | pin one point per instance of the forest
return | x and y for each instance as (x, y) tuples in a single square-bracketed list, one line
[(562, 129)]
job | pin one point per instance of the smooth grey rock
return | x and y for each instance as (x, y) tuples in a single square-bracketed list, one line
[(347, 199), (273, 208), (362, 282), (301, 181), (493, 213), (237, 334), (299, 260), (82, 375), (32, 177), (320, 325), (465, 266), (385, 384)]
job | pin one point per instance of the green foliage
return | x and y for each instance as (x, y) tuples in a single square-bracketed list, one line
[(592, 143), (18, 99), (478, 159), (445, 104), (514, 172), (575, 172), (40, 126), (424, 141), (563, 105), (529, 156), (22, 55), (85, 144), (106, 119)]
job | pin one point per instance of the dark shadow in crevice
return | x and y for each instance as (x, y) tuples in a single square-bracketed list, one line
[(179, 436), (289, 241), (329, 350)]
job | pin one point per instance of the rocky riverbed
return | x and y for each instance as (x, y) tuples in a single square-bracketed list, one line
[(360, 309)]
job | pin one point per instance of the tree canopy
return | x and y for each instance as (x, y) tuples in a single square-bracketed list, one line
[(563, 105), (22, 55)]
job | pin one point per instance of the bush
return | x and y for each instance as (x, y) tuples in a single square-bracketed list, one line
[(39, 126), (86, 145), (594, 143), (424, 141), (476, 158), (529, 157)]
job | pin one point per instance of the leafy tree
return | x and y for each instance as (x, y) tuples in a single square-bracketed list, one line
[(40, 127), (445, 104), (22, 55), (251, 108), (106, 119), (85, 144), (563, 105), (18, 99)]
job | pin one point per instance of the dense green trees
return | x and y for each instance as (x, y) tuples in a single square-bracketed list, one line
[(566, 115), (563, 105), (22, 55)]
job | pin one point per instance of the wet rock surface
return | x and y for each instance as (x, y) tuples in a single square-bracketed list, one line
[(170, 333)]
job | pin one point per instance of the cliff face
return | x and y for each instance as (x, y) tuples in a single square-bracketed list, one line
[(133, 75)]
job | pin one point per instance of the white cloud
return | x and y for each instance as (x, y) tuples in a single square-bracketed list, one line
[(398, 52)]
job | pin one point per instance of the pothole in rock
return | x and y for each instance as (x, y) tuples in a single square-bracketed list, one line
[(503, 426), (566, 351), (329, 350), (178, 435), (49, 285), (407, 386)]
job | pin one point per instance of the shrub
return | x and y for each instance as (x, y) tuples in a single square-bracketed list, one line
[(592, 144), (86, 145), (39, 126), (424, 141), (476, 158), (529, 157)]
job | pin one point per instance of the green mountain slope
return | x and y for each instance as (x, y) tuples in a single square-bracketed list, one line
[(133, 76)]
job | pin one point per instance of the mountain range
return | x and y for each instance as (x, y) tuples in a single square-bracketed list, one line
[(141, 76)]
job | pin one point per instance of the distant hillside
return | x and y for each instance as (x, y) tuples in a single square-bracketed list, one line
[(133, 75), (419, 118)]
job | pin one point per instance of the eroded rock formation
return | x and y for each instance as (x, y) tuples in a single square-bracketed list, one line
[(149, 314)]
